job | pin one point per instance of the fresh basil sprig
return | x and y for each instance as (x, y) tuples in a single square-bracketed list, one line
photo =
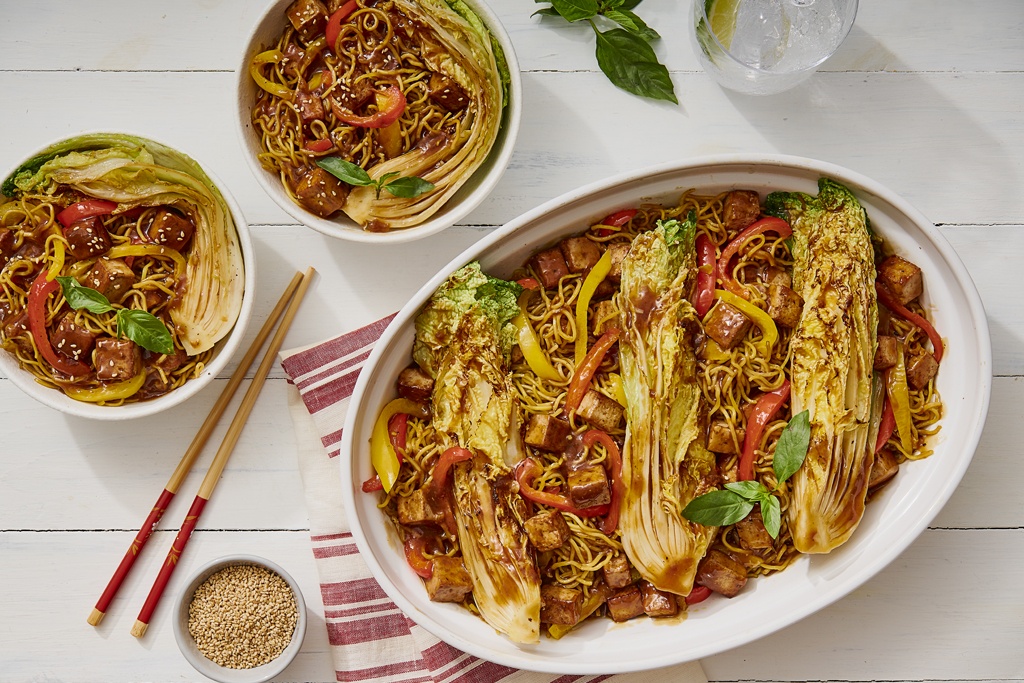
[(142, 327), (405, 187), (734, 502), (622, 53)]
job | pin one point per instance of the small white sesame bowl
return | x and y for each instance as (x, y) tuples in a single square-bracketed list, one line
[(209, 668)]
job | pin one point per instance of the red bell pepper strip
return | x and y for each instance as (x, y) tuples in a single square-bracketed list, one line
[(334, 23), (899, 309), (390, 105), (527, 470), (614, 466), (528, 283), (756, 228), (414, 548), (585, 371), (41, 289), (886, 427), (705, 275), (439, 478), (763, 412), (615, 220), (398, 428), (319, 145), (85, 209), (698, 594)]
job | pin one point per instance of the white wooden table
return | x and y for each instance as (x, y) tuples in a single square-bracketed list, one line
[(928, 103)]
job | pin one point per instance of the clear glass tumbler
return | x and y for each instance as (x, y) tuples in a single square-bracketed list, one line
[(762, 47)]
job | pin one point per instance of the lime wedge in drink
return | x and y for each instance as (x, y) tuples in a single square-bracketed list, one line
[(722, 18)]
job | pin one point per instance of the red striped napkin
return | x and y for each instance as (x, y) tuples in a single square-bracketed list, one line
[(371, 639)]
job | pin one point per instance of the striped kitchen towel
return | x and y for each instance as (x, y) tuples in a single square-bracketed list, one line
[(371, 640)]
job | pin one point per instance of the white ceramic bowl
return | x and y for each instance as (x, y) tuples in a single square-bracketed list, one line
[(223, 351), (893, 520), (266, 32), (187, 644)]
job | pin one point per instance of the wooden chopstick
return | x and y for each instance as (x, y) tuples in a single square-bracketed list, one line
[(219, 461), (193, 451)]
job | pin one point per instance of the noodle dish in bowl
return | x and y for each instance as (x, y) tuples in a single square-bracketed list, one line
[(378, 120), (666, 415), (126, 276)]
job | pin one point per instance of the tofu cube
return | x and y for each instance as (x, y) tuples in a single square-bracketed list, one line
[(617, 571), (72, 340), (580, 253), (321, 193), (547, 530), (775, 275), (117, 359), (448, 94), (415, 384), (170, 229), (308, 17), (883, 469), (920, 370), (547, 433), (625, 604), (588, 486), (449, 582), (727, 325), (753, 535), (599, 411), (888, 352), (657, 603), (605, 315), (742, 207), (418, 508), (619, 251), (560, 605), (722, 573), (110, 277), (902, 278), (784, 305), (87, 238), (720, 438), (550, 267)]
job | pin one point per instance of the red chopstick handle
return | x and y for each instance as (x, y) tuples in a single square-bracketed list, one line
[(133, 552), (169, 564)]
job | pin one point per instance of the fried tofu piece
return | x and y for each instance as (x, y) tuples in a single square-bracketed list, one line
[(619, 251), (111, 277), (170, 229), (7, 241), (560, 605), (883, 469), (588, 486), (547, 433), (87, 238), (720, 439), (775, 275), (308, 17), (448, 94), (625, 604), (321, 193), (415, 384), (117, 359), (742, 207), (657, 603), (73, 340), (449, 581), (599, 411), (547, 530), (417, 508), (727, 325), (617, 572), (784, 305), (888, 352), (920, 370), (722, 573), (752, 533), (902, 278), (550, 267), (310, 107), (605, 315), (580, 253)]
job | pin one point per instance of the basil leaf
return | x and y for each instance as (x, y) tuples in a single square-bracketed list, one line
[(145, 329), (717, 508), (630, 63), (546, 12), (749, 490), (632, 23), (79, 296), (626, 4), (383, 180), (771, 515), (345, 171), (409, 187), (791, 450), (574, 10)]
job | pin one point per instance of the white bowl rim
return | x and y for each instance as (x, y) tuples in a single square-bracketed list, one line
[(207, 667), (838, 589), (498, 157), (229, 344)]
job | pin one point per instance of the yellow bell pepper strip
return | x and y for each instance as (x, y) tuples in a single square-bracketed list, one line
[(109, 392), (382, 452), (756, 228), (58, 259), (899, 397), (585, 371), (769, 332), (255, 71), (618, 391), (398, 428), (596, 275), (530, 345), (155, 250), (713, 352)]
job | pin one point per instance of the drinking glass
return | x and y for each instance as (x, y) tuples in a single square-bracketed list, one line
[(762, 47)]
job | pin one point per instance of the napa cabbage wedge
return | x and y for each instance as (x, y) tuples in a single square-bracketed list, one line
[(456, 43), (665, 464), (464, 338), (831, 352), (135, 172)]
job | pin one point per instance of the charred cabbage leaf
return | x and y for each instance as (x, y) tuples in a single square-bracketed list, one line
[(137, 172), (832, 350), (665, 465), (464, 339)]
